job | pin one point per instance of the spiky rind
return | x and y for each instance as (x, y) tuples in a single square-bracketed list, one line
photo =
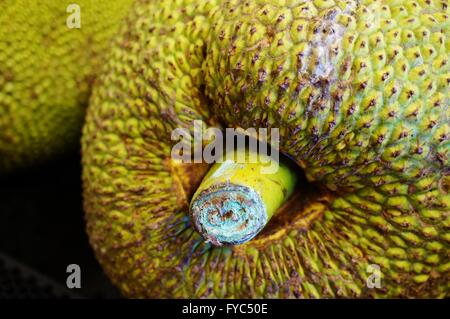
[(361, 104), (46, 73)]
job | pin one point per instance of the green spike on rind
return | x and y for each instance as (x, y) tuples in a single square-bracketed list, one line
[(236, 200)]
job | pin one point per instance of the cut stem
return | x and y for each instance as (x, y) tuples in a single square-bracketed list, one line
[(236, 199)]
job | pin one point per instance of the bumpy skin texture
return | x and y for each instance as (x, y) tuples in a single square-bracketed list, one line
[(360, 93), (46, 74)]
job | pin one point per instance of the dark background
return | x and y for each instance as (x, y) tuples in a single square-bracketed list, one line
[(42, 226)]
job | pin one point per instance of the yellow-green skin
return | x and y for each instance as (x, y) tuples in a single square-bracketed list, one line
[(46, 73), (360, 94)]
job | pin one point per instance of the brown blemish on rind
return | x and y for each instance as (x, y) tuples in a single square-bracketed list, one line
[(186, 178)]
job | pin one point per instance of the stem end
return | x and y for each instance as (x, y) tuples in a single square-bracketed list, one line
[(228, 214)]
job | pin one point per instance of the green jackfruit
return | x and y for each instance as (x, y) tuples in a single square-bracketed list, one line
[(360, 92), (46, 73)]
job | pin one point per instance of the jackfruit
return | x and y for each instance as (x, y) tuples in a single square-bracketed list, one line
[(47, 67), (360, 93)]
